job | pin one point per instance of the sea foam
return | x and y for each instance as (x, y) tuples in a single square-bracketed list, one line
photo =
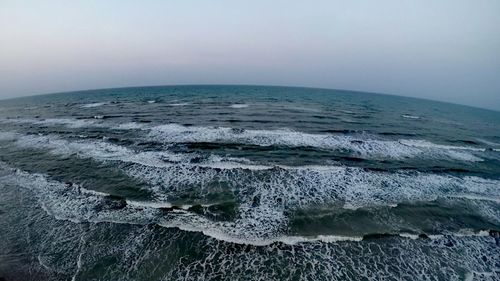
[(365, 146), (239, 105), (91, 105), (362, 146), (258, 224)]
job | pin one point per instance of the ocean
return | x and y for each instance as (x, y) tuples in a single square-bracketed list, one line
[(247, 183)]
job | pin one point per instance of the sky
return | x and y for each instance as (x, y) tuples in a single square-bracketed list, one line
[(446, 50)]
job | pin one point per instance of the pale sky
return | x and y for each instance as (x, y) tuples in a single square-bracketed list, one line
[(445, 50)]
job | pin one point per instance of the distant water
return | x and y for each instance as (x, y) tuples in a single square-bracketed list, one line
[(247, 183)]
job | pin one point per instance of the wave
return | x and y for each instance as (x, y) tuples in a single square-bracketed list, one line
[(408, 116), (264, 194), (164, 205), (264, 198), (428, 144), (130, 126), (260, 223), (490, 143), (316, 257), (98, 150), (477, 197), (67, 122), (360, 146), (197, 168), (8, 136), (239, 105), (364, 146), (91, 105)]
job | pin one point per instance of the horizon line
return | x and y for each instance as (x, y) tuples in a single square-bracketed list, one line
[(245, 85)]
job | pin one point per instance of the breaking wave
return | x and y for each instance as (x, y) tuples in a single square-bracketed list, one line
[(263, 195), (239, 105), (361, 146), (91, 105), (78, 204), (365, 146)]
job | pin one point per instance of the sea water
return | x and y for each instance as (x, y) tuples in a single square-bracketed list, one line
[(247, 183)]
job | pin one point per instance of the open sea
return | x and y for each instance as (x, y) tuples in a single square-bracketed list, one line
[(247, 183)]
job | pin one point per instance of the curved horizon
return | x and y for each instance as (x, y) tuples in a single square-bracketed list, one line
[(246, 85)]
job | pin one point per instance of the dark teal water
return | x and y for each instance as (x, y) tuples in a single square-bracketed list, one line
[(247, 183)]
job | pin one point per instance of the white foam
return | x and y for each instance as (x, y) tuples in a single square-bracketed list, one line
[(409, 235), (165, 163), (488, 142), (281, 189), (7, 136), (301, 108), (229, 163), (460, 233), (151, 101), (67, 122), (469, 233), (91, 105), (130, 126), (71, 123), (410, 116), (257, 225), (149, 204), (90, 191), (284, 189), (361, 146), (179, 104), (239, 105), (292, 240), (477, 197), (78, 266), (77, 123), (314, 258), (104, 151), (428, 144), (289, 240), (347, 111), (73, 204), (99, 150)]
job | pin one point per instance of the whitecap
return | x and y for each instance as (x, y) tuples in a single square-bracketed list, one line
[(239, 105), (178, 104), (428, 144), (490, 143), (477, 197), (283, 189), (149, 204), (7, 136), (67, 122), (360, 146), (98, 150), (130, 126), (91, 105), (257, 225), (306, 109), (365, 146), (410, 116)]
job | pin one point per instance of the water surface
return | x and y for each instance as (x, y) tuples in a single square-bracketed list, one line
[(247, 183)]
